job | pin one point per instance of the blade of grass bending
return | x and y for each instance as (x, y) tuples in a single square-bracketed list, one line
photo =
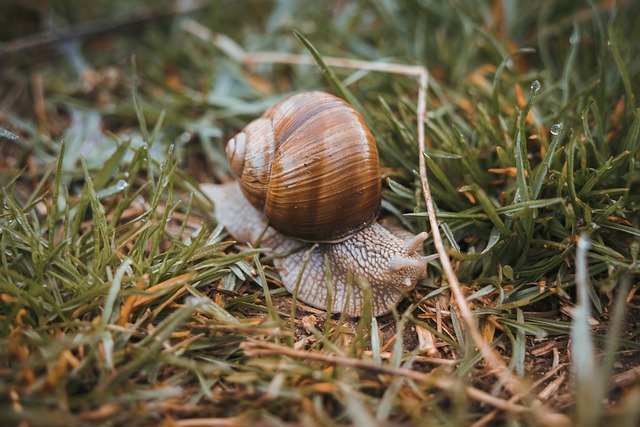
[(455, 321), (167, 169), (614, 43), (361, 338), (166, 217), (632, 141), (474, 357), (398, 128), (400, 190), (522, 190), (332, 78), (101, 245), (567, 72), (468, 161), (109, 168), (329, 283), (487, 207), (440, 176), (446, 230), (615, 325), (296, 289), (181, 260), (520, 325), (149, 347), (441, 335), (136, 102), (498, 75), (385, 408), (158, 126), (375, 340), (514, 360), (514, 208), (520, 350), (545, 165), (607, 168), (265, 290), (619, 227)]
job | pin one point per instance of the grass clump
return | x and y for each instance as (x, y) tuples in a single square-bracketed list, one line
[(121, 301)]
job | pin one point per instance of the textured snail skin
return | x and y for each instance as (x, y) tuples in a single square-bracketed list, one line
[(390, 265)]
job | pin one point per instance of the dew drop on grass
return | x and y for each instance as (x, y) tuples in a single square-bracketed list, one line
[(535, 86), (116, 188), (185, 137), (122, 184), (556, 128)]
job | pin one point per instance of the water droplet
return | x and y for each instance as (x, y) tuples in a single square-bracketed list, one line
[(122, 184), (169, 218), (1, 230), (126, 174), (171, 148), (535, 86), (185, 137), (556, 128)]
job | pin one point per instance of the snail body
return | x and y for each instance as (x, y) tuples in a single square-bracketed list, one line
[(308, 174)]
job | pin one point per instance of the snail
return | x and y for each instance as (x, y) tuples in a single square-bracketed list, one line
[(309, 174)]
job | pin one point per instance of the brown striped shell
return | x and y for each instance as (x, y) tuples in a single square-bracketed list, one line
[(311, 165)]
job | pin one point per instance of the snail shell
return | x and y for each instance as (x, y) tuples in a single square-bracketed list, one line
[(311, 165)]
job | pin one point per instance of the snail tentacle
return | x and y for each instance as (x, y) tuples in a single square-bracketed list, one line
[(413, 243)]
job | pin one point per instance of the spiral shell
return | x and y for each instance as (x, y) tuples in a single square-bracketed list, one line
[(311, 165)]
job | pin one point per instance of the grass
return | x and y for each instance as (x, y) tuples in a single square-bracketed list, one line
[(122, 302)]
